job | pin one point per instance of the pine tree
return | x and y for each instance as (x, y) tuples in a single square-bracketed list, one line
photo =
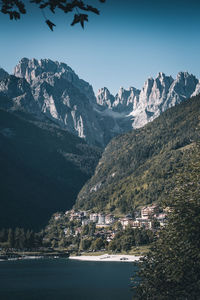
[(11, 241), (30, 239), (19, 237), (3, 235)]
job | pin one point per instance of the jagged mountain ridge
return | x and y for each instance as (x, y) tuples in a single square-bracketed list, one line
[(68, 100), (53, 88), (156, 96)]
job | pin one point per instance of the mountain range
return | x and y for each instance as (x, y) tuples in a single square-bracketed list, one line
[(53, 130), (45, 87)]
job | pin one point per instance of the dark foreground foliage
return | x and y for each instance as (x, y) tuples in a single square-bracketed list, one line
[(15, 8), (172, 268)]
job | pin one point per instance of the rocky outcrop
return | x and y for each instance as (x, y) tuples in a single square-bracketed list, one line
[(105, 98), (16, 94), (156, 96), (197, 89)]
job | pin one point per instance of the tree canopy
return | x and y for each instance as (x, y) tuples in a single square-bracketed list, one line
[(171, 270), (15, 8)]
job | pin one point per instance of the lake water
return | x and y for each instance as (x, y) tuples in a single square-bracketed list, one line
[(62, 279)]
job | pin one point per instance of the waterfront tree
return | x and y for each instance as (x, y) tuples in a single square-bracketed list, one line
[(85, 244), (98, 244)]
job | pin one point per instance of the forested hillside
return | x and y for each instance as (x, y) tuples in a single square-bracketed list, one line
[(42, 169), (139, 167)]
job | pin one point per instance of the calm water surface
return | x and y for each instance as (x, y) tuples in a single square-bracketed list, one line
[(59, 279)]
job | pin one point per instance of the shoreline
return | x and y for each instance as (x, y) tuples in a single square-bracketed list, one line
[(107, 258), (12, 256)]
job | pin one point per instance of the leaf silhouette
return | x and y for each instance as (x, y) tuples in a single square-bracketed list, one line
[(75, 20), (93, 9), (14, 9), (83, 18), (50, 24)]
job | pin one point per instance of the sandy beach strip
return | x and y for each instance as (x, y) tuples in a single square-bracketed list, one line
[(107, 257)]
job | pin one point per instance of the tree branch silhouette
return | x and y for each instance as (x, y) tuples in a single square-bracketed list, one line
[(15, 8)]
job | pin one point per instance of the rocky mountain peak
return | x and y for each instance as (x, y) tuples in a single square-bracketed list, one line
[(46, 70), (161, 93), (104, 97), (161, 75), (61, 95), (148, 86), (126, 100), (30, 69), (164, 78), (186, 80), (181, 89)]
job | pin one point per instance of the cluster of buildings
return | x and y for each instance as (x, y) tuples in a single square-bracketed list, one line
[(100, 219), (148, 217)]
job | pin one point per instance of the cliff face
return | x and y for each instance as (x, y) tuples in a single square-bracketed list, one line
[(62, 96), (156, 96)]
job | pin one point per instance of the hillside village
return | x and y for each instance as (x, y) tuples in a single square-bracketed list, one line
[(145, 218), (92, 231)]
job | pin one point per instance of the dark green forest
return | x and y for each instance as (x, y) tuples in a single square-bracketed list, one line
[(20, 239)]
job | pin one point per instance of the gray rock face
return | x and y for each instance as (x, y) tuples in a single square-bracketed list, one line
[(53, 88), (62, 96), (45, 70), (70, 101), (156, 96), (197, 90), (17, 94), (105, 98), (126, 100), (160, 94)]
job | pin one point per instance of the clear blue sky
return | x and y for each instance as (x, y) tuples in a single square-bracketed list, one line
[(130, 41)]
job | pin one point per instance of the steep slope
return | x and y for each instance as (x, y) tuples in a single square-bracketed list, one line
[(42, 168), (138, 168)]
